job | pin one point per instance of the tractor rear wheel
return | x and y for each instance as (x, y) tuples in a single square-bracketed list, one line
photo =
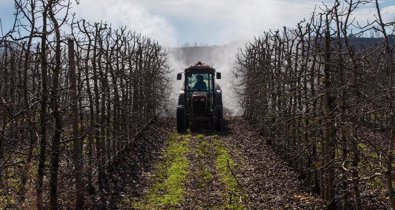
[(219, 120), (181, 119), (219, 125)]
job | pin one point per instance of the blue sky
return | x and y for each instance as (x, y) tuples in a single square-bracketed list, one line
[(175, 22), (6, 13)]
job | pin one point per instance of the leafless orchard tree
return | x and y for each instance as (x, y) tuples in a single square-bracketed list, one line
[(323, 98), (72, 94), (388, 66)]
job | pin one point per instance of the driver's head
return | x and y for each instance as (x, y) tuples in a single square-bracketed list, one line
[(199, 78)]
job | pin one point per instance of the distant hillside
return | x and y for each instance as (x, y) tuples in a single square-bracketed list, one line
[(213, 55), (362, 42)]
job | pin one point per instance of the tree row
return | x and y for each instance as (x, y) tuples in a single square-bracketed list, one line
[(73, 94), (324, 98)]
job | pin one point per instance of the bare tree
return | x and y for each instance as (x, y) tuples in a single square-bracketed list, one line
[(83, 100), (43, 108), (389, 68), (77, 144), (325, 112)]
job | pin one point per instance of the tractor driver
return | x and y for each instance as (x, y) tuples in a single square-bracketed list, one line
[(200, 84)]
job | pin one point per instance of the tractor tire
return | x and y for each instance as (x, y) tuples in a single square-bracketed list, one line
[(193, 126), (181, 119), (219, 120), (219, 125)]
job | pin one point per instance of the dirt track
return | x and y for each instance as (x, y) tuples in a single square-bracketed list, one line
[(231, 170)]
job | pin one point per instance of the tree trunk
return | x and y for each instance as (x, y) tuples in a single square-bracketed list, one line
[(389, 59), (31, 118), (55, 147), (77, 150), (43, 111), (91, 111), (329, 144)]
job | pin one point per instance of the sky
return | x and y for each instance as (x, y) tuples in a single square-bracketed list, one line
[(202, 22)]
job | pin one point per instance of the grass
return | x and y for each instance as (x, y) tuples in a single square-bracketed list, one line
[(172, 171), (203, 148), (207, 175), (171, 175), (10, 183), (200, 136), (224, 164), (8, 191)]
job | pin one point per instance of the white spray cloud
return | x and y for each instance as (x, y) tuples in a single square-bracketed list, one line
[(224, 58), (219, 57)]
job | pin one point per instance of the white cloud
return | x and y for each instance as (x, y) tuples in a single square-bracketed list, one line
[(234, 19), (368, 14), (388, 13), (130, 14), (207, 21), (248, 20), (173, 22)]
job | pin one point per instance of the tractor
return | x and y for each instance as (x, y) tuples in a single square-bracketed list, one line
[(200, 98)]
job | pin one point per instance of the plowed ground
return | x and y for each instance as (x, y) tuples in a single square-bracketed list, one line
[(234, 169)]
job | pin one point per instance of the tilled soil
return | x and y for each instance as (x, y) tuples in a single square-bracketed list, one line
[(203, 188), (265, 181), (265, 178)]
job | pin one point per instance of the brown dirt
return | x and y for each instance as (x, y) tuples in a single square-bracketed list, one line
[(265, 179), (203, 188)]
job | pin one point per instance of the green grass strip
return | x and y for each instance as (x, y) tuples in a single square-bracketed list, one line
[(224, 164), (171, 174)]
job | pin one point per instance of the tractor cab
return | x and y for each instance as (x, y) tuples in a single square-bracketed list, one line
[(200, 97)]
